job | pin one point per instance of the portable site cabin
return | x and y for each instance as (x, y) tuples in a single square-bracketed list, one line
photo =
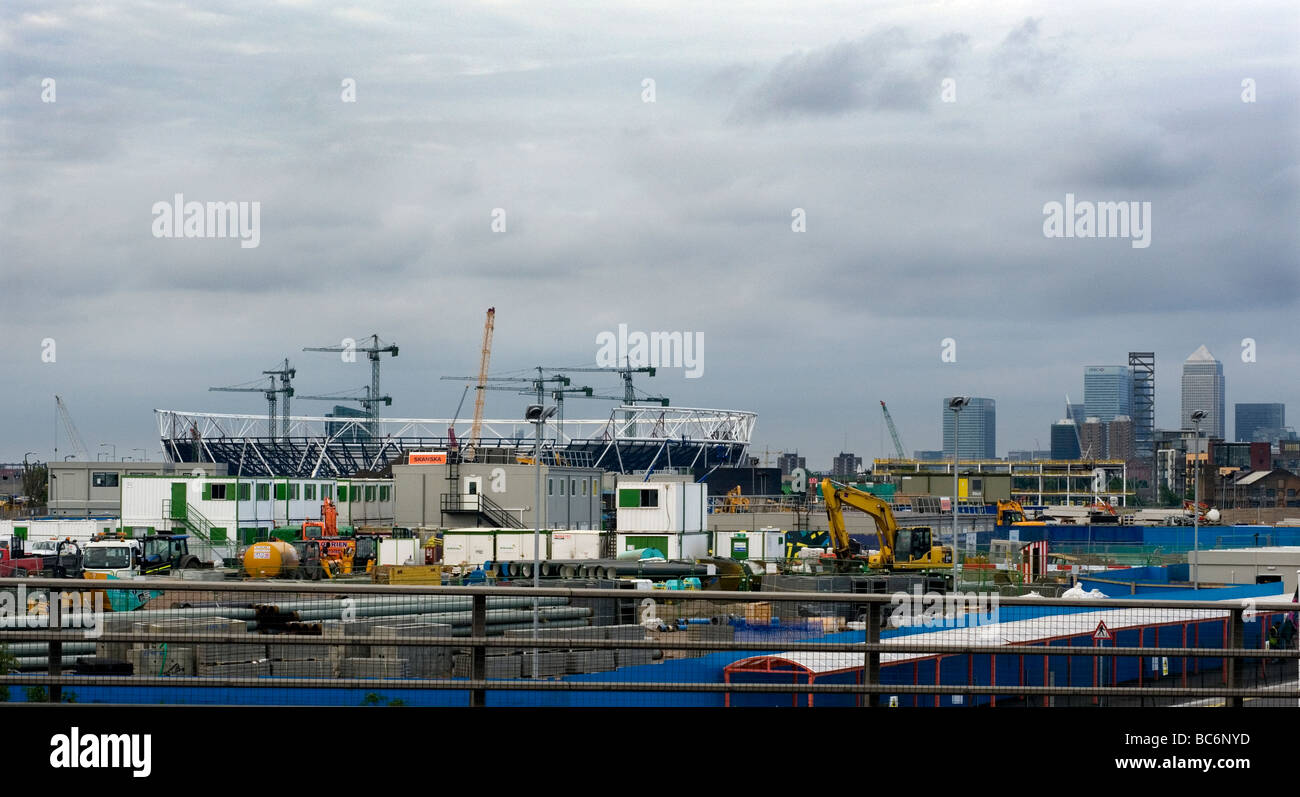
[(666, 515), (474, 546), (766, 544), (365, 502), (239, 510)]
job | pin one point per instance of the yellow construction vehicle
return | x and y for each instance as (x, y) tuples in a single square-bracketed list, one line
[(733, 501), (900, 549), (1011, 513)]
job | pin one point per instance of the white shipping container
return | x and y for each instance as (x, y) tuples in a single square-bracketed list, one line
[(400, 552), (575, 545), (78, 530), (476, 546)]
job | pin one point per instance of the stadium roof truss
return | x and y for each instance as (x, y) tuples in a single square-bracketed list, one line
[(632, 438)]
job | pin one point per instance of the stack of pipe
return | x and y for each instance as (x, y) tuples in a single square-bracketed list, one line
[(503, 614), (601, 569)]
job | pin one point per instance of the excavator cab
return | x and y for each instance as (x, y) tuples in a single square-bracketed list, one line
[(911, 544)]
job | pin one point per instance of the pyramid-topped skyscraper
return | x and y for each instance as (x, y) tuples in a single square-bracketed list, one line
[(1203, 390)]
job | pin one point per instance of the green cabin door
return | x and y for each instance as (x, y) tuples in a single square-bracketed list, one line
[(178, 501)]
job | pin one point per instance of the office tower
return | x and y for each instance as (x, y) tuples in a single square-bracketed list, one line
[(1065, 439), (978, 429), (1259, 422), (1107, 391), (1092, 438), (1120, 438), (788, 462), (846, 464), (1203, 390)]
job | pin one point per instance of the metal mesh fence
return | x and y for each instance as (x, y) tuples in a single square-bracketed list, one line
[(170, 641)]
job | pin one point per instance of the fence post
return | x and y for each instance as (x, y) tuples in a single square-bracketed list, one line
[(478, 653), (55, 665), (1236, 640), (871, 667)]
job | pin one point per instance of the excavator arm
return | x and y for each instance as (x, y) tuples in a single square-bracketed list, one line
[(837, 496), (919, 552)]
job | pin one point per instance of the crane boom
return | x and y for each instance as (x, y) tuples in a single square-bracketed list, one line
[(893, 431), (474, 430), (70, 429)]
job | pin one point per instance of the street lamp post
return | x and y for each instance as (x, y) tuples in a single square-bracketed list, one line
[(1197, 417), (537, 415), (956, 404), (114, 447)]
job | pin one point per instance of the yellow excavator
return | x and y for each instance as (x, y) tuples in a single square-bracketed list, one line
[(733, 501), (900, 549), (1011, 513)]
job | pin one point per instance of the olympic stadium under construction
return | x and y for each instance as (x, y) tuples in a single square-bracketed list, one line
[(631, 438)]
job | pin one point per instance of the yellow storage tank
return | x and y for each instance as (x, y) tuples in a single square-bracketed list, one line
[(270, 559)]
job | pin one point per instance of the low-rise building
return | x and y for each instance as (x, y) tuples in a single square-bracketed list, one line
[(91, 489), (226, 509), (496, 495)]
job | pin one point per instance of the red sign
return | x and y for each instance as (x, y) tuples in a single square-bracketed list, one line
[(1102, 633), (427, 458)]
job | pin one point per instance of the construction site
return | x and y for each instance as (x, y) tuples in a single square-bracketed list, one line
[(548, 561)]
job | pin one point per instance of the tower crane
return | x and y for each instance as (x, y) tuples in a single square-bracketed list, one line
[(893, 431), (272, 394), (372, 352), (629, 392), (285, 375), (366, 401)]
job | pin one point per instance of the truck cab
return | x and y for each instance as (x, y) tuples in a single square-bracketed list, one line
[(112, 558)]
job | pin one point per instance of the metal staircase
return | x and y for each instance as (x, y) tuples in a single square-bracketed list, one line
[(190, 518), (484, 508)]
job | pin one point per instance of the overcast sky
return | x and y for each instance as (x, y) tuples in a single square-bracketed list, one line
[(924, 218)]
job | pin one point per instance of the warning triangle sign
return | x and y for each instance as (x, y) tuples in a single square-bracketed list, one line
[(1102, 632)]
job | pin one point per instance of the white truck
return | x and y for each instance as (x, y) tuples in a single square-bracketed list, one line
[(111, 557)]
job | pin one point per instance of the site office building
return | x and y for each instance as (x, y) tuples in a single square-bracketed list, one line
[(427, 499), (667, 515), (242, 510)]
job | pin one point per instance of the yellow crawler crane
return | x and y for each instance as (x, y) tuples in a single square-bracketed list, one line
[(900, 549)]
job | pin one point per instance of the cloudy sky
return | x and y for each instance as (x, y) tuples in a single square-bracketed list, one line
[(924, 217)]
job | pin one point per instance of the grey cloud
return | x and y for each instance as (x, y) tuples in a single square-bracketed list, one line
[(883, 71), (1024, 63)]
